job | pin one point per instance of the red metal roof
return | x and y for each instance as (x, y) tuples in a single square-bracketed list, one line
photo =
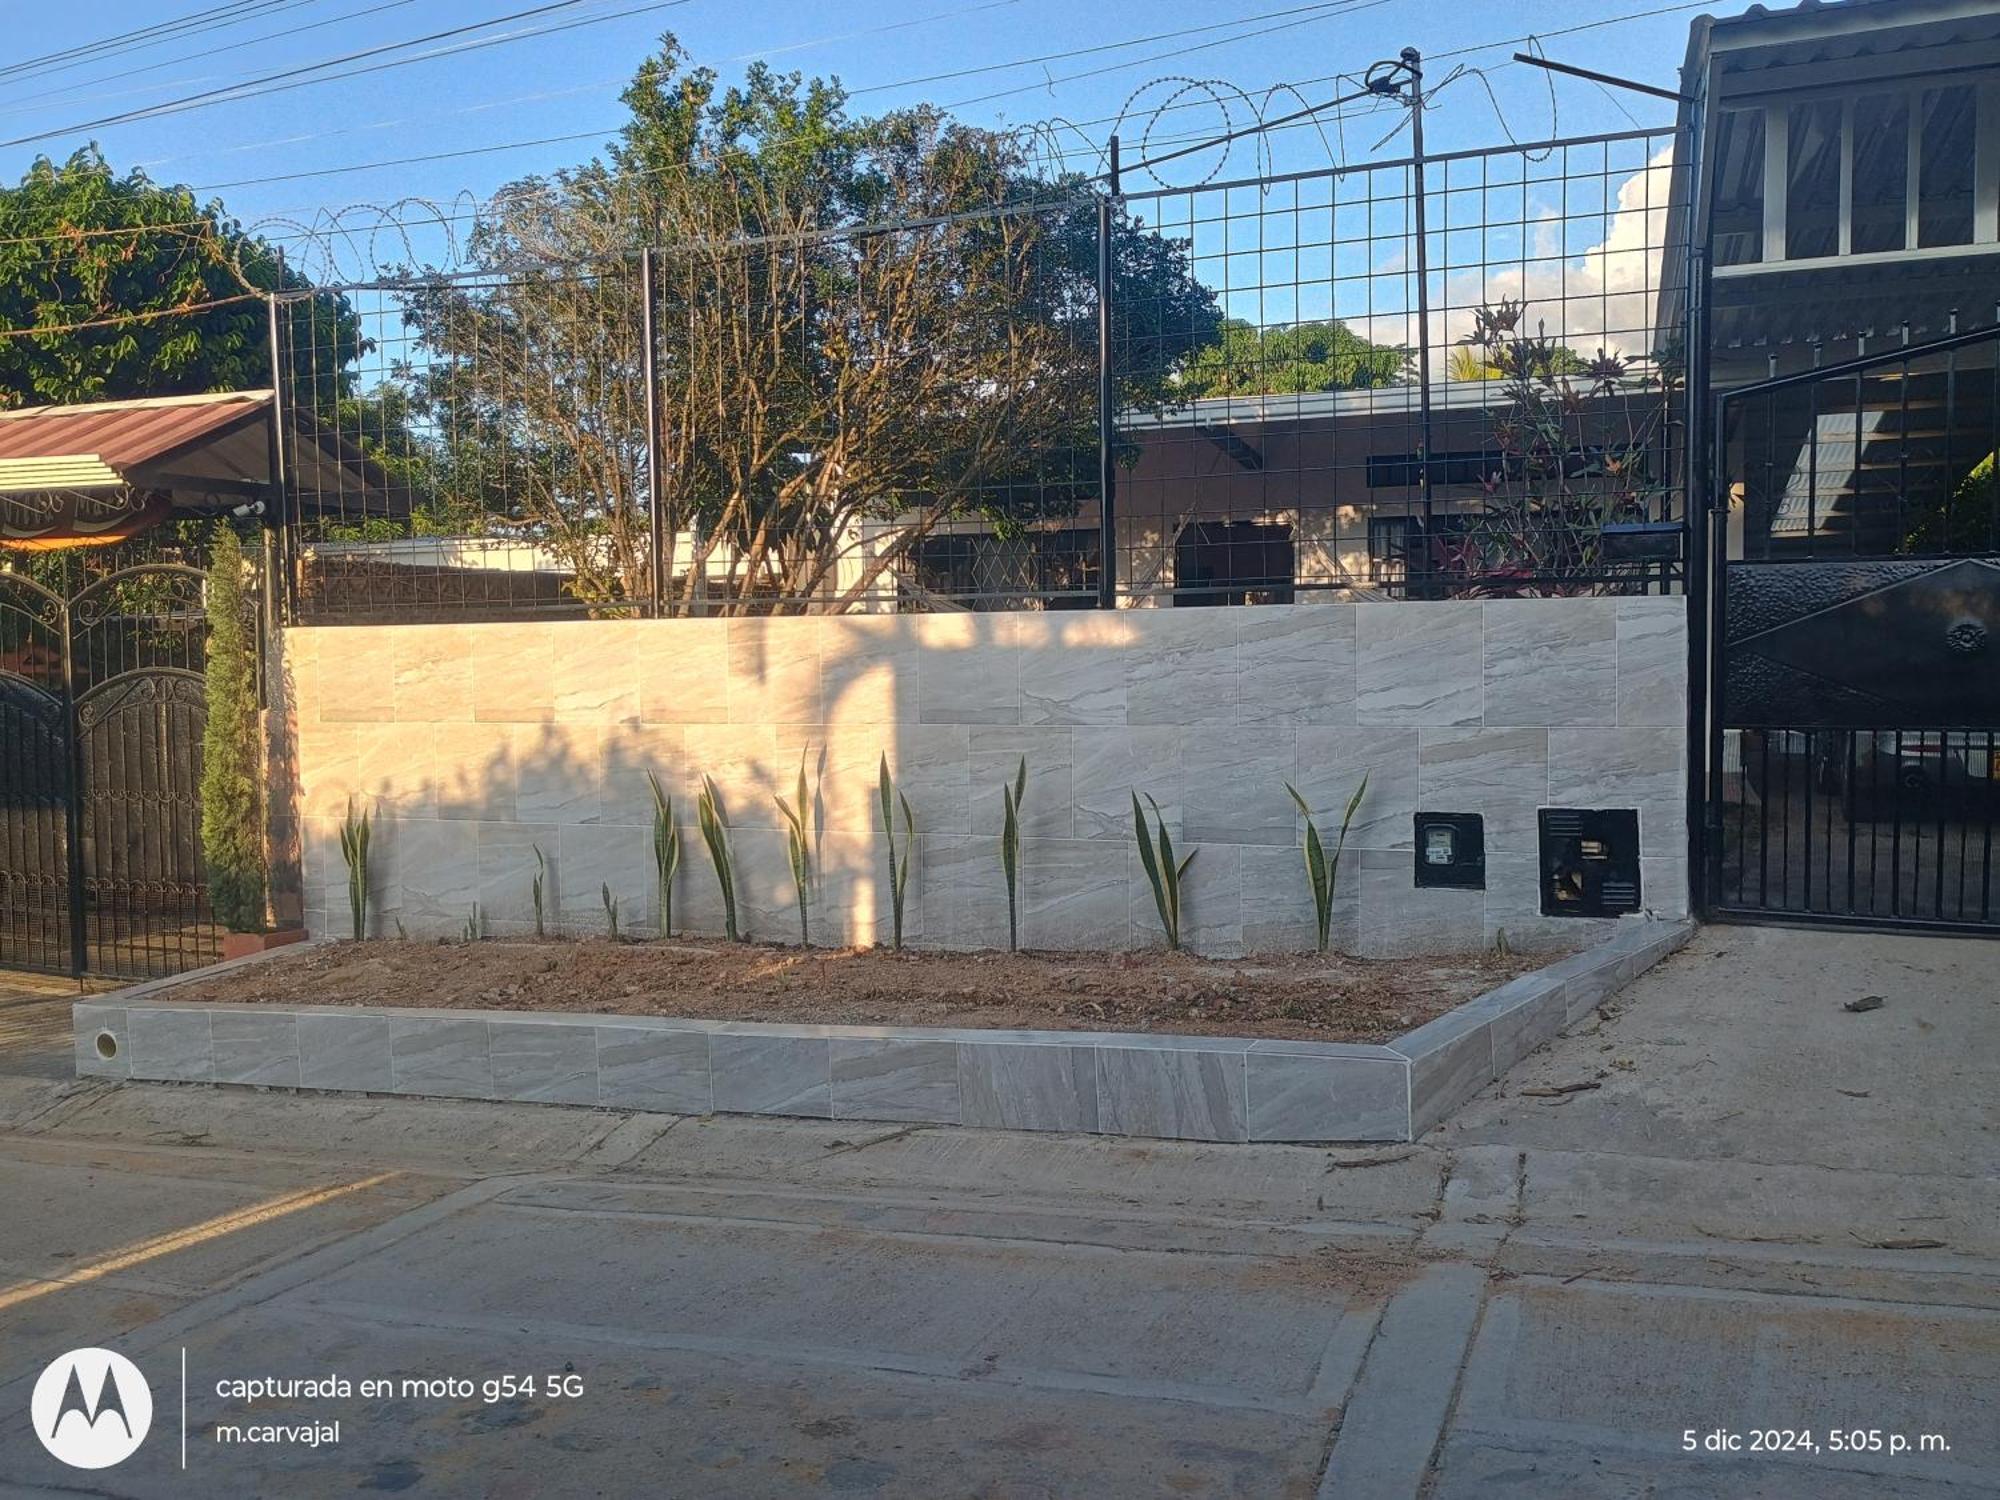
[(123, 434)]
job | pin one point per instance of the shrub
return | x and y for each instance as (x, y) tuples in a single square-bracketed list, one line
[(232, 834)]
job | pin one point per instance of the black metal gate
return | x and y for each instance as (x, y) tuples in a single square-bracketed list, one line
[(101, 719), (1853, 745)]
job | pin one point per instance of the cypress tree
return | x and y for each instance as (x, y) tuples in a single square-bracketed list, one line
[(232, 836)]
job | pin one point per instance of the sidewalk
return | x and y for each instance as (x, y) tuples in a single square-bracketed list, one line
[(1731, 1231)]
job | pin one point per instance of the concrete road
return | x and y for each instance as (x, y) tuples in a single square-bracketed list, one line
[(1770, 1216)]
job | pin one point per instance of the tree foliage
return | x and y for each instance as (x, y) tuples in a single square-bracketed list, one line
[(1291, 359), (813, 377), (232, 835), (69, 255)]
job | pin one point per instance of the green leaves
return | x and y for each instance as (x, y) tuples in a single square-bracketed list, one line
[(899, 869), (232, 828), (1010, 848), (798, 848), (1156, 855), (354, 850), (1322, 870), (610, 909), (666, 855), (539, 885), (715, 834)]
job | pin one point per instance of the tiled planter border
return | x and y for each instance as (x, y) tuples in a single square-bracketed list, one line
[(1112, 1083)]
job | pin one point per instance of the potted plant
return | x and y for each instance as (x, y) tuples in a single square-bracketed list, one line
[(232, 831)]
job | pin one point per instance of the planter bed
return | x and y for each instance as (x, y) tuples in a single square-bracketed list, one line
[(1274, 1076)]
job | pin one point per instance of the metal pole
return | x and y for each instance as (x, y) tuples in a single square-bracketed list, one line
[(1413, 61), (1107, 399), (655, 520), (279, 602), (79, 952)]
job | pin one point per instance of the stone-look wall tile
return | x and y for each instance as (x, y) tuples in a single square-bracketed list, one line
[(1047, 807), (854, 904), (683, 671), (1026, 1086), (928, 762), (543, 1062), (1073, 667), (959, 885), (1074, 893), (653, 1068), (1551, 661), (589, 858), (1396, 920), (774, 670), (1109, 765), (329, 767), (1652, 662), (396, 764), (1663, 885), (891, 1078), (432, 666), (1327, 1097), (1277, 907), (969, 669), (444, 1058), (1233, 786), (255, 1049), (170, 1044), (92, 1022), (347, 1053), (298, 650), (1211, 901), (1243, 666), (505, 855), (1514, 906), (1178, 1094), (766, 903), (1332, 763), (355, 679), (1419, 663), (1451, 1059), (1526, 1013), (742, 760), (1589, 978), (513, 673), (594, 679), (1638, 768), (558, 773), (868, 669), (472, 771), (438, 869), (630, 754), (1500, 773), (771, 1075)]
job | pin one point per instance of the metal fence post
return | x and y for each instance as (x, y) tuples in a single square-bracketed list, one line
[(278, 607), (1413, 60), (1107, 397), (648, 364)]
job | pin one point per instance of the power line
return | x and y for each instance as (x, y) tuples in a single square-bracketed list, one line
[(67, 91), (291, 78), (214, 19)]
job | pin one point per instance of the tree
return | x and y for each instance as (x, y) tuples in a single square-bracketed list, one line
[(1286, 360), (829, 393), (82, 245), (232, 835)]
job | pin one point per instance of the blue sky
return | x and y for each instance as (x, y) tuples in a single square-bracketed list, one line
[(568, 84)]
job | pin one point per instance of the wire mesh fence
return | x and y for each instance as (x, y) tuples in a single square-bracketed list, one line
[(1234, 393)]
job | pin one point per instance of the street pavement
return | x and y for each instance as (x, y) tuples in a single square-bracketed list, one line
[(1771, 1230)]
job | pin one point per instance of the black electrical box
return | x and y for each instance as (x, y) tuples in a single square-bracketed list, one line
[(1451, 850), (1590, 861)]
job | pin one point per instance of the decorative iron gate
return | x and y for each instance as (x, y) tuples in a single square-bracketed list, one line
[(101, 719), (1854, 737)]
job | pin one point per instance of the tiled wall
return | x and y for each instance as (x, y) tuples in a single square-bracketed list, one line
[(476, 744)]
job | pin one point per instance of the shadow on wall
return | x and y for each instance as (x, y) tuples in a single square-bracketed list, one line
[(473, 747)]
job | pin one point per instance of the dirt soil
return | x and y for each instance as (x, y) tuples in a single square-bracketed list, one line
[(1309, 997)]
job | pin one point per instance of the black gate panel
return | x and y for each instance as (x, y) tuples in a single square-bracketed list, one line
[(102, 712), (1854, 744)]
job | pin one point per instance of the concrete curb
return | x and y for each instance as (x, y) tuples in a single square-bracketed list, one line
[(1108, 1083)]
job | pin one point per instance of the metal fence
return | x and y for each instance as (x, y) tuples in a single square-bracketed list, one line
[(1440, 376)]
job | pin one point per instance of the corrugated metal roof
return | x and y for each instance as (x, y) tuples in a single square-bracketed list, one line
[(123, 434)]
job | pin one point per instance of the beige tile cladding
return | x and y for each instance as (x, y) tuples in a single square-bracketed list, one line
[(542, 734)]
